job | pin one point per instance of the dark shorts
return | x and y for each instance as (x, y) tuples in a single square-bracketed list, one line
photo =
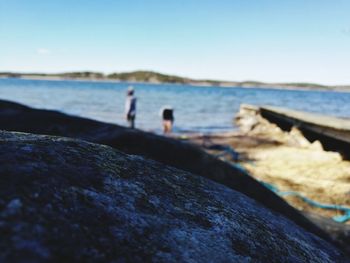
[(168, 119), (131, 117), (168, 115)]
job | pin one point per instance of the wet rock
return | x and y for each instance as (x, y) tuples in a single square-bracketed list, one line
[(85, 202)]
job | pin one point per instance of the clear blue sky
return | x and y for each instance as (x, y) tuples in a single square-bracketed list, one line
[(267, 40)]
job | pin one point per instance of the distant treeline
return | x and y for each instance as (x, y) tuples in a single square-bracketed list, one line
[(141, 76), (155, 77), (148, 76)]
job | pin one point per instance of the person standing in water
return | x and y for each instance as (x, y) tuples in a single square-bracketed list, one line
[(168, 119), (130, 107)]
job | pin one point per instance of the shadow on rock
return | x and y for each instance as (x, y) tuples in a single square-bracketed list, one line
[(65, 200), (15, 117)]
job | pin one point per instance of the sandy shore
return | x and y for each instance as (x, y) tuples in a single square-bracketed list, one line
[(289, 162)]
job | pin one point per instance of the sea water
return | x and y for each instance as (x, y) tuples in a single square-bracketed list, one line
[(196, 109)]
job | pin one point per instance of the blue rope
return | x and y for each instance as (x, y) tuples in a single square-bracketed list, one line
[(273, 188), (339, 219), (225, 150)]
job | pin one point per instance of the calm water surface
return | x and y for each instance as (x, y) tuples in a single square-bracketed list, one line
[(197, 109)]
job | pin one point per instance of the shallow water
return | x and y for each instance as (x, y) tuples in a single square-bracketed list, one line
[(197, 109)]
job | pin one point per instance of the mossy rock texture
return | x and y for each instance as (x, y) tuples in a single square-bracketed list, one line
[(65, 200)]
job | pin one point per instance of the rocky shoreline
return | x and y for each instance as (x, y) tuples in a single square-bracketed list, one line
[(78, 199), (287, 161)]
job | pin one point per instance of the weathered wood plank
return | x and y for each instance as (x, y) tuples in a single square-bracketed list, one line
[(332, 132)]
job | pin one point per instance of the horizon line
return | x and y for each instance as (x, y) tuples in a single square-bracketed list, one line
[(105, 74)]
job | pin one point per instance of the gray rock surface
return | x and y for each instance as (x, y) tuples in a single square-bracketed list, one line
[(17, 117), (67, 200)]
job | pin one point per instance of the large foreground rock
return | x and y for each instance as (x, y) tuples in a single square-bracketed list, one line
[(68, 200), (16, 117)]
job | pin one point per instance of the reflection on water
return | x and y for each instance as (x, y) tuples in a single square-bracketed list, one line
[(203, 109)]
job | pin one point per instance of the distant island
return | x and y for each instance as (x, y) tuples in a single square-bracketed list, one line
[(155, 77)]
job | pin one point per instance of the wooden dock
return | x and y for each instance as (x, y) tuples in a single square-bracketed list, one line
[(332, 132)]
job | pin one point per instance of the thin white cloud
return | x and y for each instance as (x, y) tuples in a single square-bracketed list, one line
[(43, 51)]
